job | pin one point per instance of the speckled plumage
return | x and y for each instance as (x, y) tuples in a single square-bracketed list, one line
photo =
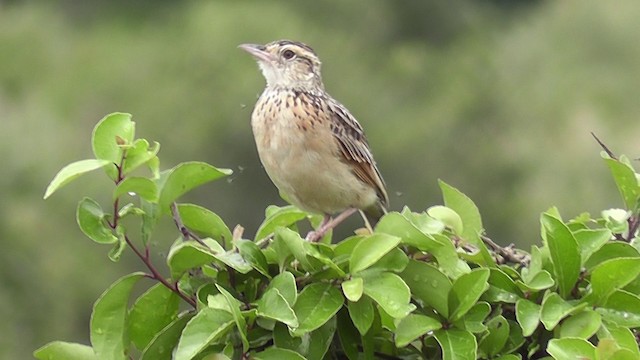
[(311, 147)]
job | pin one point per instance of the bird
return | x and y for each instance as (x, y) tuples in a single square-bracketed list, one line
[(311, 147)]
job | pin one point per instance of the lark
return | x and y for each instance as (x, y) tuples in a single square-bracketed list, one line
[(310, 145)]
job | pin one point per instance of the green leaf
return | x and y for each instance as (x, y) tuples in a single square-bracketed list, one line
[(353, 289), (623, 337), (282, 217), (185, 177), (274, 353), (470, 215), (563, 249), (348, 335), (515, 339), (253, 255), (316, 304), (286, 284), (362, 314), (390, 292), (72, 172), (139, 154), (204, 222), (474, 318), (162, 345), (456, 344), (554, 309), (186, 255), (590, 241), (610, 250), (466, 290), (437, 244), (273, 305), (428, 284), (312, 345), (612, 275), (370, 250), (143, 187), (496, 339), (528, 316), (621, 308), (118, 248), (540, 281), (91, 220), (110, 134), (108, 319), (60, 350), (448, 217), (203, 329), (395, 261), (571, 349), (153, 311), (414, 326), (234, 306), (625, 178), (581, 325)]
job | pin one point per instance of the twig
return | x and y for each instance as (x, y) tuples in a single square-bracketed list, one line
[(186, 233), (604, 147), (508, 253)]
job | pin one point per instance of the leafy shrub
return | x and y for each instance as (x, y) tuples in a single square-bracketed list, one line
[(425, 285)]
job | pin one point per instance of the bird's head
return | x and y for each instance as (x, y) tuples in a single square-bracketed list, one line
[(287, 64)]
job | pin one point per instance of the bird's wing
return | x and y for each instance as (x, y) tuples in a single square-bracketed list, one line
[(355, 149)]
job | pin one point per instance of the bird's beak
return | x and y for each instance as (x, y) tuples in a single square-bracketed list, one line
[(258, 51)]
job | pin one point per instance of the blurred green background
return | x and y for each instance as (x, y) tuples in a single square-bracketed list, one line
[(495, 97)]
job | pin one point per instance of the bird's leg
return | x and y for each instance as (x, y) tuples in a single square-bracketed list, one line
[(328, 223)]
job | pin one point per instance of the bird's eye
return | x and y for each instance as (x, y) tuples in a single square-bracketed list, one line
[(288, 54)]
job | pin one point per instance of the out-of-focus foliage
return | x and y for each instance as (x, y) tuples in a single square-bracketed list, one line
[(497, 99)]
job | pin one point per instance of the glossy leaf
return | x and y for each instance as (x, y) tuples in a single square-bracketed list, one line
[(138, 154), (563, 249), (60, 350), (528, 316), (253, 255), (621, 308), (571, 349), (205, 222), (474, 318), (71, 172), (234, 306), (591, 240), (205, 327), (554, 309), (370, 250), (286, 284), (186, 255), (414, 326), (498, 333), (143, 187), (282, 217), (274, 353), (390, 292), (625, 178), (456, 344), (470, 215), (353, 289), (185, 177), (581, 325), (466, 291), (108, 319), (162, 345), (152, 312), (428, 284), (448, 217), (610, 250), (611, 275), (273, 305), (91, 220), (316, 304), (362, 314)]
